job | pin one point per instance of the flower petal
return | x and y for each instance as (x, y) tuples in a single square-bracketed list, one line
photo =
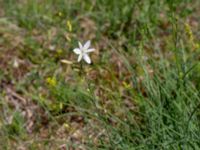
[(86, 45), (87, 58), (80, 57), (80, 45), (90, 50), (77, 51)]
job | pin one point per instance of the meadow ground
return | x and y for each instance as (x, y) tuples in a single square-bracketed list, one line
[(141, 91)]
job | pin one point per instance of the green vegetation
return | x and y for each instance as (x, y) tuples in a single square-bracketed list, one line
[(142, 90)]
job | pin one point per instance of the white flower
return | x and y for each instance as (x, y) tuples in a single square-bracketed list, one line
[(83, 51)]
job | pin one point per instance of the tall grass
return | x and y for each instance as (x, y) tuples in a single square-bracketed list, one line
[(151, 101)]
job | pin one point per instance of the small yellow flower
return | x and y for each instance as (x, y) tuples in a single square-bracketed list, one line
[(66, 125), (126, 85), (60, 14), (191, 37), (61, 105), (189, 32), (51, 81), (69, 26), (59, 52)]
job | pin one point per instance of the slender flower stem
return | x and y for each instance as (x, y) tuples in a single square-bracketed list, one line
[(81, 69)]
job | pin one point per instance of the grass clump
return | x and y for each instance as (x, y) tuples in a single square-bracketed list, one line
[(141, 90)]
